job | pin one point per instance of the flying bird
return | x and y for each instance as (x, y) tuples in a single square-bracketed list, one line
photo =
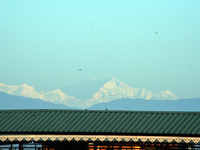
[(92, 25)]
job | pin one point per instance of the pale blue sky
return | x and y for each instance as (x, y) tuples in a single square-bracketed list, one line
[(43, 41)]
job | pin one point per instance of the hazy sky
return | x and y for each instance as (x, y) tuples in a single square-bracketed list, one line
[(145, 43)]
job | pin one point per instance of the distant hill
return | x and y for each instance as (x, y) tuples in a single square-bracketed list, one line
[(19, 102), (150, 105), (86, 89), (8, 101)]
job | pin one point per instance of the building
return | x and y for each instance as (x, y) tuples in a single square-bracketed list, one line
[(98, 130)]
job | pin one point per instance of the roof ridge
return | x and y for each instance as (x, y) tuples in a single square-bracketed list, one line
[(72, 110)]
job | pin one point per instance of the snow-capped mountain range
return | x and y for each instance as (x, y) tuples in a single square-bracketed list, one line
[(55, 96), (110, 89)]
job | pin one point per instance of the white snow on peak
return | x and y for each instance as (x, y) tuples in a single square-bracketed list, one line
[(58, 97), (22, 90), (166, 95)]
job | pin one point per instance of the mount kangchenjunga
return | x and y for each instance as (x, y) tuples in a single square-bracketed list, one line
[(115, 89), (93, 91)]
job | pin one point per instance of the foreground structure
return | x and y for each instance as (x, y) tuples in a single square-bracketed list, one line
[(98, 130)]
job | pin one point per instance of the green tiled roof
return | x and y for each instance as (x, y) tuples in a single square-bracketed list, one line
[(99, 122)]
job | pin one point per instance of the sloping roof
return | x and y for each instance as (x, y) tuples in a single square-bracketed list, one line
[(99, 122)]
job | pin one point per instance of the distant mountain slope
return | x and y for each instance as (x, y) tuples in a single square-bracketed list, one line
[(18, 102), (150, 105), (86, 89)]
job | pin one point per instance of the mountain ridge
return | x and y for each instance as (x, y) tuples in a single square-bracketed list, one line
[(56, 96), (149, 105), (112, 89), (19, 102)]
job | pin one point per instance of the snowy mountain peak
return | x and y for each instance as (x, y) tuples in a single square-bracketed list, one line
[(57, 91), (22, 90), (114, 83), (113, 79), (166, 95)]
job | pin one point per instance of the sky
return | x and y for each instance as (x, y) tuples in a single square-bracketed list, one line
[(148, 43)]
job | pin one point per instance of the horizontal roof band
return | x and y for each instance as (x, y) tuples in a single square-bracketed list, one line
[(99, 122), (93, 138)]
